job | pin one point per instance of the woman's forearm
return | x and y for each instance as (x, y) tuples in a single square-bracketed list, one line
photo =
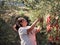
[(14, 28), (33, 25)]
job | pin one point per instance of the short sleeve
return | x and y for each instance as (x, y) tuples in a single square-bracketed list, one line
[(22, 31)]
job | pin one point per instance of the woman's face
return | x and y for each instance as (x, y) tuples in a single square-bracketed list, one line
[(24, 22)]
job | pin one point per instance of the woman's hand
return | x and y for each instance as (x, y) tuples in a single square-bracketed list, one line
[(38, 29), (41, 19)]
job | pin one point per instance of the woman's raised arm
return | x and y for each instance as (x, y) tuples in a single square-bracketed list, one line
[(33, 25)]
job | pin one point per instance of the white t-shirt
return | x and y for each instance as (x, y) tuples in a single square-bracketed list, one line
[(27, 39)]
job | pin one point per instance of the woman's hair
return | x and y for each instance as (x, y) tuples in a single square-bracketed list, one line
[(18, 23), (17, 26), (17, 18)]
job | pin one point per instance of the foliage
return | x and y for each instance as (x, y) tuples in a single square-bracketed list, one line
[(36, 9), (7, 36)]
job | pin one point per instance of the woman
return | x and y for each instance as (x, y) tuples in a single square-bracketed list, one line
[(27, 33)]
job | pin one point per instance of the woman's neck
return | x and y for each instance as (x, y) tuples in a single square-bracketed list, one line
[(24, 25)]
